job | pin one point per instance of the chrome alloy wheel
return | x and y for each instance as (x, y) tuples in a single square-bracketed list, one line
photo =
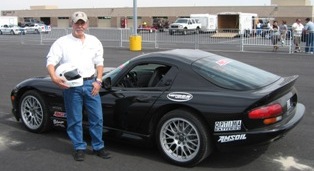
[(31, 112), (180, 139)]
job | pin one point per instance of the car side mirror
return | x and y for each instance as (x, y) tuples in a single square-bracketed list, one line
[(106, 84)]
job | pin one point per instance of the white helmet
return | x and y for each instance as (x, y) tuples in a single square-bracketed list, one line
[(70, 74)]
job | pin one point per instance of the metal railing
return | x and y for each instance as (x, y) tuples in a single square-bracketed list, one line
[(223, 39)]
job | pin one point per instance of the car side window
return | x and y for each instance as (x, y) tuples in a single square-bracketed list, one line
[(144, 75)]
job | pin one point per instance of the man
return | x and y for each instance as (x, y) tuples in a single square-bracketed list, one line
[(275, 35), (283, 32), (309, 28), (297, 29), (83, 51)]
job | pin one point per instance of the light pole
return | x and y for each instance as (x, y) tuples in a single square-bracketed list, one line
[(135, 40), (135, 17)]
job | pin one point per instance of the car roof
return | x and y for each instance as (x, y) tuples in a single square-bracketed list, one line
[(183, 55)]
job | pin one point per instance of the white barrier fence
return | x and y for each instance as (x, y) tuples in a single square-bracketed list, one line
[(224, 39)]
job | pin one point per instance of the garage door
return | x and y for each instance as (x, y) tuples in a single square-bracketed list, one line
[(104, 22), (63, 23)]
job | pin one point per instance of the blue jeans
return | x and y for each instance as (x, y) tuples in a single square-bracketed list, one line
[(310, 43), (258, 31), (74, 99)]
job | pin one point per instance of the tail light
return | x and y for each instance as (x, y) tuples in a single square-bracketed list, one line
[(269, 114)]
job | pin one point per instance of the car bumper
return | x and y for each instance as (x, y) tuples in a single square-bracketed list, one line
[(14, 104), (258, 136), (175, 30)]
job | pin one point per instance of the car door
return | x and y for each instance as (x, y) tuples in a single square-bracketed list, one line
[(6, 29), (133, 95)]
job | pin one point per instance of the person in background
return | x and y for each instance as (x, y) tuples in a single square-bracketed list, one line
[(85, 52), (259, 28), (309, 29), (297, 29), (283, 32), (275, 35)]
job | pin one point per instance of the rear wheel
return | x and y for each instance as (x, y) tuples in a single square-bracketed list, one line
[(183, 139), (34, 112)]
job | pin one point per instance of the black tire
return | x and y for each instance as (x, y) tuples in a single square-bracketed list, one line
[(12, 32), (1, 32), (34, 113), (170, 32), (197, 31), (183, 139)]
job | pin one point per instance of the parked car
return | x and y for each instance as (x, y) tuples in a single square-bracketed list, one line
[(31, 21), (184, 26), (38, 28), (145, 28), (187, 102), (12, 29), (160, 24)]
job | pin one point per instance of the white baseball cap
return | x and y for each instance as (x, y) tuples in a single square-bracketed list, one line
[(79, 15)]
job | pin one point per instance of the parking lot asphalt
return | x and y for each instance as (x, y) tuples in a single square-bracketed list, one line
[(22, 150)]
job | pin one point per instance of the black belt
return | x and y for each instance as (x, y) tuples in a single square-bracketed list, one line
[(88, 78)]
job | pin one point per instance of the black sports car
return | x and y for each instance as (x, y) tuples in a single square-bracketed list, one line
[(188, 102)]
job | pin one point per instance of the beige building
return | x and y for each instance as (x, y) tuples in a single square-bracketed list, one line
[(288, 10)]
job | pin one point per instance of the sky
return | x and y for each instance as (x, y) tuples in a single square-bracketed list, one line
[(25, 4)]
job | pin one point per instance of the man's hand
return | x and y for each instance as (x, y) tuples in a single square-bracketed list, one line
[(96, 88), (60, 82)]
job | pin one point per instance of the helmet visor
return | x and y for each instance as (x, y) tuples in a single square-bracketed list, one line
[(72, 75)]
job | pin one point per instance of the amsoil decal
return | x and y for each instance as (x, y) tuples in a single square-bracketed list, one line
[(179, 96), (230, 138), (233, 125)]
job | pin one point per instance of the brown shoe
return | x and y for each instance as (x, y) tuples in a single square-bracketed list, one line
[(102, 153), (79, 155)]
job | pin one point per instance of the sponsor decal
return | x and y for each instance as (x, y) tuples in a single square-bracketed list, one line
[(58, 123), (60, 114), (230, 138), (179, 96), (233, 125), (223, 62)]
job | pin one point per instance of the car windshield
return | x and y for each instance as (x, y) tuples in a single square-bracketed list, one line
[(232, 74), (181, 21), (112, 74)]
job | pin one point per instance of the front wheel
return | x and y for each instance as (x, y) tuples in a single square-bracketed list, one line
[(197, 31), (34, 113), (183, 139)]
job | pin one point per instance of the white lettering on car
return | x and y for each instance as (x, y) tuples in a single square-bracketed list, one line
[(58, 123), (230, 138), (232, 125), (179, 96)]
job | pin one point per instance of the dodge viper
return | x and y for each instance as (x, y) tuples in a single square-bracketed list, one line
[(187, 102)]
